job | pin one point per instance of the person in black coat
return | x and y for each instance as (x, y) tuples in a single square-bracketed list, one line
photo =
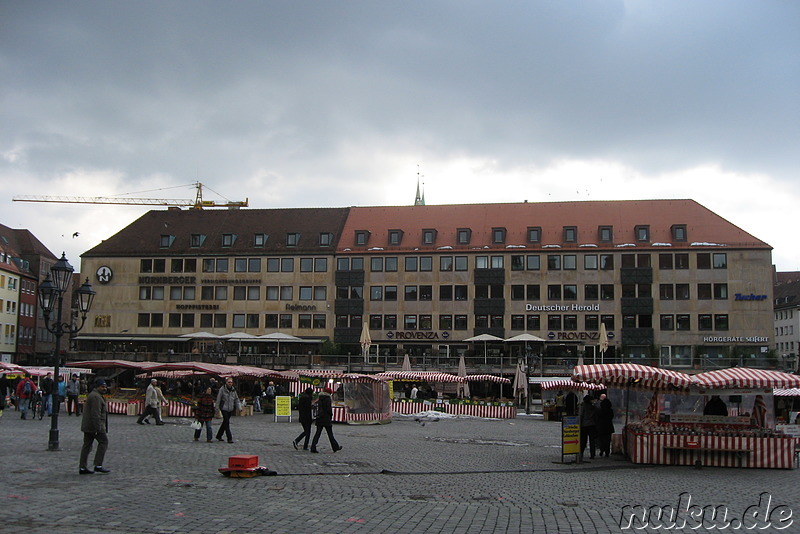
[(588, 418), (325, 420), (304, 402), (605, 426)]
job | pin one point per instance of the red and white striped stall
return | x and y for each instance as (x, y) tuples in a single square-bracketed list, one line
[(476, 410)]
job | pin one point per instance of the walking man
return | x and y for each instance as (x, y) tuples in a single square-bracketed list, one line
[(152, 404), (94, 426), (25, 391), (227, 403), (304, 402), (48, 390), (73, 390), (325, 420)]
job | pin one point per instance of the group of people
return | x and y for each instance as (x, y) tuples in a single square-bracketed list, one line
[(26, 394), (597, 425), (306, 408)]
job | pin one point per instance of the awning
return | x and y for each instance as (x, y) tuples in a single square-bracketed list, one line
[(570, 385), (421, 376), (745, 377), (792, 392), (488, 378), (631, 374)]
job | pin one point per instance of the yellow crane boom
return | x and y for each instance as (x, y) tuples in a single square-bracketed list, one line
[(197, 203)]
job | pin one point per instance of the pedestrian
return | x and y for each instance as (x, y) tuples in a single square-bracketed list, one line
[(605, 426), (94, 426), (414, 392), (61, 393), (588, 418), (269, 394), (73, 390), (204, 414), (228, 403), (48, 387), (152, 404), (304, 409), (25, 392), (257, 392), (559, 405), (325, 420), (571, 404)]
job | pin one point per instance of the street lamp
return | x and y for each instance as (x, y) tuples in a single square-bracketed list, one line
[(51, 291)]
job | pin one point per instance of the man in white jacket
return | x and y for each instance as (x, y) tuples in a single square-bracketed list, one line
[(153, 398)]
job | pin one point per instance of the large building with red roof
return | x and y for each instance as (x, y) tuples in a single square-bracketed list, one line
[(674, 283)]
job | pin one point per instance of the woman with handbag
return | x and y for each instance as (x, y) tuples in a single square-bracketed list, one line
[(204, 413)]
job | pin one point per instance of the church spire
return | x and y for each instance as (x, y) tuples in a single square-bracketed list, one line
[(419, 200)]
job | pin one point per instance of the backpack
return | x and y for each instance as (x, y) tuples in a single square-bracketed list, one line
[(26, 389)]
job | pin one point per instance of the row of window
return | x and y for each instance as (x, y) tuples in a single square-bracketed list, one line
[(237, 320), (519, 262), (784, 330), (291, 239), (238, 293), (569, 234)]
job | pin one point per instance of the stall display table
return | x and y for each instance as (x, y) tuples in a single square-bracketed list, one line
[(776, 452), (493, 410), (342, 414)]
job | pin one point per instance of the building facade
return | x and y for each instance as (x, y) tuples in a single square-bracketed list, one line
[(787, 322), (673, 283)]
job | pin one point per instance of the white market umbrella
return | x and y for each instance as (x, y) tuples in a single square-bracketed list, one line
[(462, 371), (366, 341), (200, 335), (485, 338), (406, 364), (278, 337), (238, 336), (603, 342), (520, 381)]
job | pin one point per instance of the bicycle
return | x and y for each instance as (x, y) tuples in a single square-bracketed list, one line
[(37, 405)]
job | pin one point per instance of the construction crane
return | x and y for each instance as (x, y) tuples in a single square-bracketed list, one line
[(198, 203)]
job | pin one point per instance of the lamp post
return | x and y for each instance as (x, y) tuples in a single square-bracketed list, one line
[(51, 292)]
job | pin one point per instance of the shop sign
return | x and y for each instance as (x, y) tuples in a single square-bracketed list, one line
[(562, 307), (574, 336), (400, 334), (570, 435), (104, 274), (751, 296), (301, 307), (167, 280), (735, 339)]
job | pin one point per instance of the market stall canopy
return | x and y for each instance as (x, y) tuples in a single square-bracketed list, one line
[(570, 385), (631, 374), (745, 377), (216, 369), (421, 376), (792, 392), (110, 364), (12, 367), (488, 378), (523, 337)]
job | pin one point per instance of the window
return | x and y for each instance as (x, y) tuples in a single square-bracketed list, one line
[(497, 262), (239, 292), (607, 320), (228, 240), (285, 320), (426, 264), (481, 321), (287, 265), (607, 292), (376, 322), (306, 292), (287, 292), (259, 240), (720, 260), (445, 292), (274, 265), (272, 293), (570, 322), (667, 322), (498, 235), (605, 234), (462, 264), (703, 260), (292, 239), (570, 292), (518, 292), (481, 262), (517, 322), (271, 320), (376, 265), (362, 237), (681, 291), (606, 262), (306, 265), (320, 292), (642, 233), (445, 263), (533, 292), (570, 234), (554, 322), (665, 261), (411, 293), (390, 293), (428, 236), (532, 263), (666, 292), (166, 241), (254, 265), (425, 292), (425, 322), (704, 321), (410, 322), (628, 261), (682, 260), (679, 232), (460, 292), (320, 265), (391, 264), (590, 262), (703, 291), (720, 322), (534, 234), (240, 265), (682, 322), (533, 322), (395, 237), (517, 263), (197, 240), (390, 322), (720, 291), (591, 292), (220, 292), (570, 262), (412, 264), (553, 292), (325, 239), (553, 262), (481, 291), (460, 322), (304, 320), (464, 236)]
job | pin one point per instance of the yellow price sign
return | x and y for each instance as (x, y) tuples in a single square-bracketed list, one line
[(283, 406), (570, 435)]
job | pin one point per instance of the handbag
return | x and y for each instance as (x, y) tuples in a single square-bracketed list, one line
[(196, 425)]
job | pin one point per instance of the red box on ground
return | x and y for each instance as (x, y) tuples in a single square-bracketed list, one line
[(242, 461)]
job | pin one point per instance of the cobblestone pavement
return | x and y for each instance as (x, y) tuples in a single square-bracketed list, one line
[(464, 475)]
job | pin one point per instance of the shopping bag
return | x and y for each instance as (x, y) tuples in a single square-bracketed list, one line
[(196, 425)]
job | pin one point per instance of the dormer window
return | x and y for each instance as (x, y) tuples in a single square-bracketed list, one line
[(395, 237), (570, 234), (679, 232), (292, 239), (259, 240), (197, 240), (534, 234), (605, 234), (428, 237), (498, 235), (642, 233), (362, 237), (325, 239), (166, 241), (228, 240), (464, 235)]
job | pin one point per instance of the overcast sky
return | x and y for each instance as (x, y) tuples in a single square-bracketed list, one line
[(301, 104)]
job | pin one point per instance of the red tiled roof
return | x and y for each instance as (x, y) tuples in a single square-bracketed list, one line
[(702, 225)]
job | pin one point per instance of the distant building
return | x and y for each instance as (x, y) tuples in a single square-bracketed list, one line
[(675, 284), (787, 321)]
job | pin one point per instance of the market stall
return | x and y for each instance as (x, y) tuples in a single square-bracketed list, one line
[(575, 391), (720, 418), (357, 398), (475, 407)]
